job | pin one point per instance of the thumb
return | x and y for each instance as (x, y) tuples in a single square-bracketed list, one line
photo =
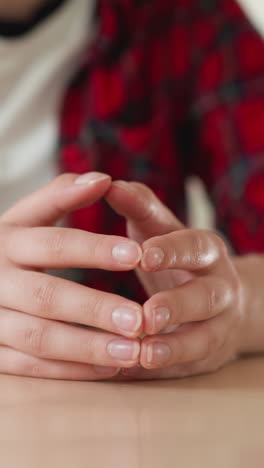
[(146, 215), (66, 193)]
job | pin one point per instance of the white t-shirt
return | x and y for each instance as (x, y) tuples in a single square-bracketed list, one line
[(255, 11), (34, 72)]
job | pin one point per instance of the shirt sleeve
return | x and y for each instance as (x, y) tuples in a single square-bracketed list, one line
[(227, 117)]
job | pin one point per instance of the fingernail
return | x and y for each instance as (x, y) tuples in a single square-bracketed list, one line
[(125, 185), (158, 353), (127, 253), (152, 258), (105, 371), (161, 318), (127, 319), (90, 178), (124, 350)]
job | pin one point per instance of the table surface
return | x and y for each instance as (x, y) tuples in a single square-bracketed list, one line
[(213, 421)]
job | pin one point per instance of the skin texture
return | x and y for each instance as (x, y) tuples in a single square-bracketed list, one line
[(204, 307), (36, 308), (189, 273)]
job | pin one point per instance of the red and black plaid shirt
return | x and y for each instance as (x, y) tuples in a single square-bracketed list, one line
[(171, 88)]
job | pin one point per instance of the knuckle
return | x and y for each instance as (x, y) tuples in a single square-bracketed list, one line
[(224, 294), (218, 243), (211, 300), (206, 247), (96, 309), (44, 296), (214, 302), (88, 350), (216, 297), (198, 247), (55, 244), (203, 253), (35, 339), (92, 309), (99, 248), (228, 298)]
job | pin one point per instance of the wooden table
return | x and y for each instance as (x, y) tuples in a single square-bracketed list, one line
[(214, 421)]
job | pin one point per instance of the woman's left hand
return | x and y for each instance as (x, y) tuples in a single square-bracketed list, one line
[(194, 317)]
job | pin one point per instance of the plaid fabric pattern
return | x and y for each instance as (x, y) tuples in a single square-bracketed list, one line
[(171, 88)]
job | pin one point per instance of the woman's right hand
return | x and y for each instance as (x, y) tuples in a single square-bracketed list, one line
[(34, 306)]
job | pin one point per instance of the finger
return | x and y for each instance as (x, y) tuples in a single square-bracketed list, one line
[(67, 248), (191, 250), (177, 371), (54, 298), (191, 343), (198, 300), (14, 362), (62, 342), (146, 214), (64, 194)]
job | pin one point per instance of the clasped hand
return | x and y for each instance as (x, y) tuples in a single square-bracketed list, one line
[(191, 322)]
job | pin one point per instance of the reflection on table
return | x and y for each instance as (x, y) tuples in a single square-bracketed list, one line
[(213, 421)]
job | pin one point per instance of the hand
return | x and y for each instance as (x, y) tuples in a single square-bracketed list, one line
[(34, 306), (195, 313)]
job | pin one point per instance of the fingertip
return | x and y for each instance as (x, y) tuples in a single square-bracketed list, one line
[(117, 196), (132, 372), (155, 353), (122, 184), (148, 318), (128, 320), (116, 186), (156, 319), (103, 373), (152, 259), (91, 178), (57, 198), (126, 200), (73, 191), (128, 254)]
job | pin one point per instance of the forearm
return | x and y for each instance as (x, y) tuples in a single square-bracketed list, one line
[(251, 272)]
